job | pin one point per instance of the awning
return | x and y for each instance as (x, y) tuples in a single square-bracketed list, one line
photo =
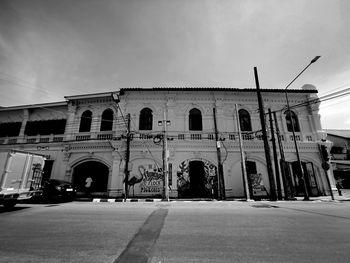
[(342, 165)]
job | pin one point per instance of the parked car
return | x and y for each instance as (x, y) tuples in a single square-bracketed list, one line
[(57, 190)]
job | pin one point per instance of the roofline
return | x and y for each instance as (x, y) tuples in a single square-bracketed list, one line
[(90, 95), (332, 132), (217, 89), (33, 106), (122, 90), (335, 135)]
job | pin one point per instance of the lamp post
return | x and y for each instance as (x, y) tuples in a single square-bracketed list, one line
[(306, 194)]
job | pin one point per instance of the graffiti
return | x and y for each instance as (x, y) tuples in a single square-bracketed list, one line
[(152, 179), (135, 178), (184, 179), (146, 179), (257, 185)]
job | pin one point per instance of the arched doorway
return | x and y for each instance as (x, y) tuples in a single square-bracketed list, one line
[(97, 171), (298, 180), (197, 179)]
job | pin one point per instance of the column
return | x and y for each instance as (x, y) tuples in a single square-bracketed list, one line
[(70, 122), (23, 126), (117, 180)]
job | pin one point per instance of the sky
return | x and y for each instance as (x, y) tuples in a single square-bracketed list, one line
[(55, 48)]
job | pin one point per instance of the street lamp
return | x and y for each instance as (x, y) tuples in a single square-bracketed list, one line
[(306, 196)]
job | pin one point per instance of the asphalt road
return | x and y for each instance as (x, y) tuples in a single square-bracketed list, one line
[(177, 232)]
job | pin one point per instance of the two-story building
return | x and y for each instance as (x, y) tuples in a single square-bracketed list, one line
[(97, 136), (340, 155)]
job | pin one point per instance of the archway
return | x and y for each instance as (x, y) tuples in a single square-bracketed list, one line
[(197, 179), (96, 170)]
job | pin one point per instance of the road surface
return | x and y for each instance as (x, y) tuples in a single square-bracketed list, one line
[(156, 232)]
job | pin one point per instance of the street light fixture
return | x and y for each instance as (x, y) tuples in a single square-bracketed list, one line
[(306, 194), (115, 97)]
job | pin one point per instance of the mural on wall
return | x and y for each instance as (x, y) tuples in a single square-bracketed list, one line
[(184, 179), (257, 185), (145, 178)]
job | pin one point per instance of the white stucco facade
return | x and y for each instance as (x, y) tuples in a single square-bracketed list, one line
[(192, 154)]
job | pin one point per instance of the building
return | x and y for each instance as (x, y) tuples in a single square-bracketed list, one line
[(340, 155), (98, 136)]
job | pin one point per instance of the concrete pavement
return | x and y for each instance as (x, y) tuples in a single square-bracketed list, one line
[(177, 232), (344, 197)]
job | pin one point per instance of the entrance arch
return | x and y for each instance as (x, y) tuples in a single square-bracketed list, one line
[(96, 170), (197, 179)]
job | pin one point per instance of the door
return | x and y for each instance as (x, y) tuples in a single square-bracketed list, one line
[(311, 182), (197, 179)]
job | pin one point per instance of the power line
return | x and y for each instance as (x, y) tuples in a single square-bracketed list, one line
[(322, 99), (342, 86), (22, 83)]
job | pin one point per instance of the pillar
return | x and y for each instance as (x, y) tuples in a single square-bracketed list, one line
[(117, 180)]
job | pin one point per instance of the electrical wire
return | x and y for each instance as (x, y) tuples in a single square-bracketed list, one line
[(122, 121)]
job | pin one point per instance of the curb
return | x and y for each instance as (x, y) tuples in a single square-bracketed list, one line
[(148, 200), (107, 200)]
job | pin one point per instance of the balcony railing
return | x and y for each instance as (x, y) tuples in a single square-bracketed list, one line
[(105, 136), (83, 137), (196, 136), (180, 136), (146, 136), (43, 138)]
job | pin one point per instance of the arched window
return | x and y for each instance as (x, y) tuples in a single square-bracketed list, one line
[(107, 120), (244, 120), (289, 121), (146, 119), (195, 120), (85, 121)]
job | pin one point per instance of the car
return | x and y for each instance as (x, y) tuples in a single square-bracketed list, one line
[(57, 190)]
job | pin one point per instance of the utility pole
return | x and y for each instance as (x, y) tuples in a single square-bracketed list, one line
[(273, 140), (243, 165), (266, 143), (221, 183), (127, 157), (165, 157), (287, 182)]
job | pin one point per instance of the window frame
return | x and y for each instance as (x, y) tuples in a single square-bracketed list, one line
[(195, 120), (245, 124), (85, 121), (296, 125), (146, 119), (107, 124)]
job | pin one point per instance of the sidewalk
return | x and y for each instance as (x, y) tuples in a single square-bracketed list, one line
[(344, 197), (337, 198)]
